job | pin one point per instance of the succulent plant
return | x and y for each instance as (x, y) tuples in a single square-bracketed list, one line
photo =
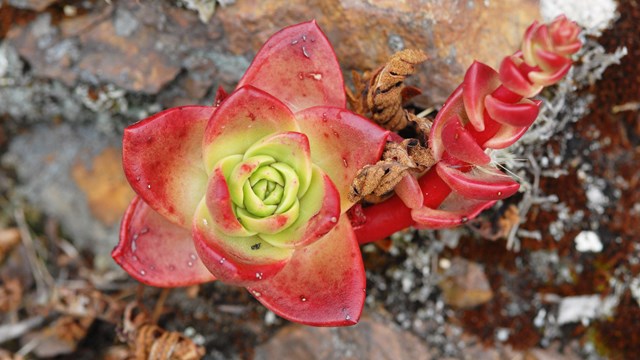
[(489, 110), (253, 191)]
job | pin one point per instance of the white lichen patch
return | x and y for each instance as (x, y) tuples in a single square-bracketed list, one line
[(595, 15), (588, 241)]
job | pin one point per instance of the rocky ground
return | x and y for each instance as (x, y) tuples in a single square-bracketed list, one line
[(551, 273)]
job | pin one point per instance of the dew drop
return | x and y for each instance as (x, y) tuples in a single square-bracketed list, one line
[(344, 162), (304, 38), (303, 298), (316, 76), (334, 219), (144, 230), (324, 117), (190, 264), (256, 293), (148, 186), (193, 256), (137, 178), (305, 53), (259, 276), (143, 273), (294, 42), (499, 193), (222, 260), (347, 317), (300, 76), (134, 246), (205, 222)]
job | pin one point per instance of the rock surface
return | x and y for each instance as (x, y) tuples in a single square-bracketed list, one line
[(370, 339), (120, 44), (74, 175)]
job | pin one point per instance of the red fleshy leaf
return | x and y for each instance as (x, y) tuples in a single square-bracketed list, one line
[(341, 144), (157, 252), (323, 284), (484, 183), (235, 260), (409, 191), (549, 60), (546, 79), (480, 80), (221, 94), (460, 144), (522, 113), (505, 137), (219, 204), (162, 160), (455, 210), (453, 107), (245, 117), (299, 66), (512, 78)]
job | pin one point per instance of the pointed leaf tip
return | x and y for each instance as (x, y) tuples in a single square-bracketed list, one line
[(299, 66)]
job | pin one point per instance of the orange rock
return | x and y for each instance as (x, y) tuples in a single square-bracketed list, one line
[(104, 185)]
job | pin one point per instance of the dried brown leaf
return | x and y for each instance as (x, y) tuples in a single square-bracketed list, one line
[(6, 355), (9, 238), (87, 302), (10, 295), (61, 337), (387, 91), (151, 342), (374, 183)]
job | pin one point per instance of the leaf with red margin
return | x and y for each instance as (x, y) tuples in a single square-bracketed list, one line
[(513, 78), (505, 137), (299, 67), (319, 213), (455, 210), (460, 144), (341, 144), (162, 159), (486, 183), (480, 80), (243, 118), (157, 252), (453, 107), (521, 113), (322, 285), (235, 260), (409, 191)]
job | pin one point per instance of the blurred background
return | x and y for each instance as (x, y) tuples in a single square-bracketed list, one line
[(551, 273)]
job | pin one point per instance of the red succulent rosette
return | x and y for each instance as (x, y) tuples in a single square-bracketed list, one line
[(253, 192)]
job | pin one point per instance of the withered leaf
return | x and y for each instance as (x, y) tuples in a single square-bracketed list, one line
[(387, 91), (149, 341), (374, 183)]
